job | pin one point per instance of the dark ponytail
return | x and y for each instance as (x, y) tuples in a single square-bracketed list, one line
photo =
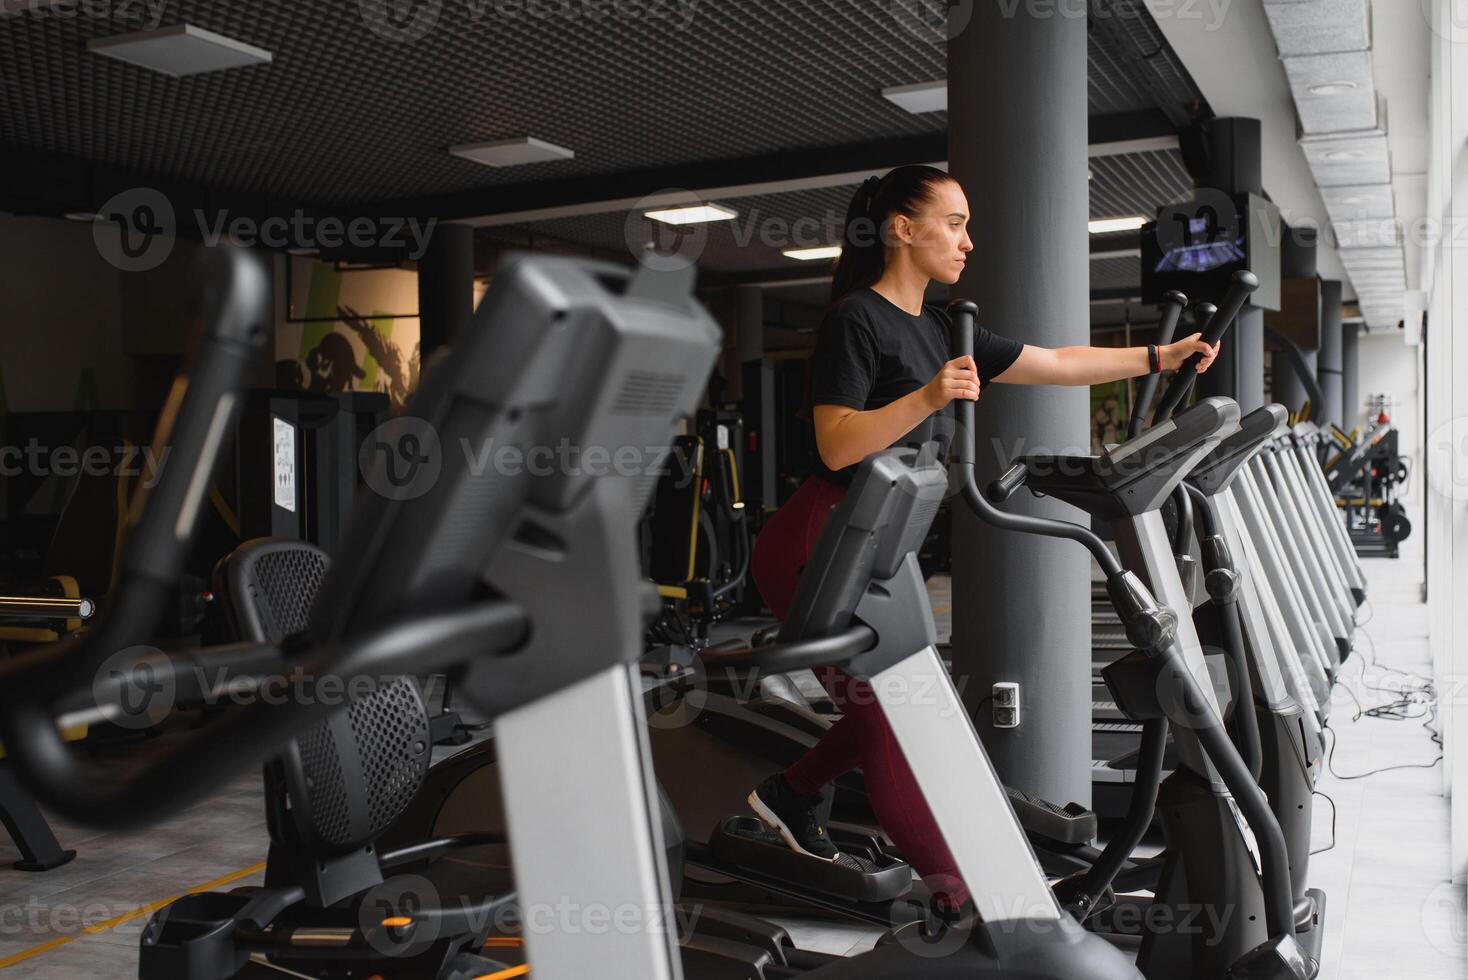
[(863, 243)]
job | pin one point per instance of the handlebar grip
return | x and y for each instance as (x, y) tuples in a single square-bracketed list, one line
[(1173, 303), (1243, 285), (1012, 479), (195, 419), (962, 315)]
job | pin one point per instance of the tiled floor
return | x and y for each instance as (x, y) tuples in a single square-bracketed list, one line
[(1391, 913)]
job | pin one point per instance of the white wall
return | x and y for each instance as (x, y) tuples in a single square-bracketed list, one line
[(1390, 367), (1445, 277), (60, 313)]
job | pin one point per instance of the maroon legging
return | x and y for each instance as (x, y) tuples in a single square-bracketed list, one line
[(861, 738)]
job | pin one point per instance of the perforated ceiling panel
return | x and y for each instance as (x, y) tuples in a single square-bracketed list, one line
[(767, 224), (1136, 183), (357, 106)]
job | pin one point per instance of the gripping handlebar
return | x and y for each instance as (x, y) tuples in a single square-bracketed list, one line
[(1173, 303), (962, 316), (1243, 285)]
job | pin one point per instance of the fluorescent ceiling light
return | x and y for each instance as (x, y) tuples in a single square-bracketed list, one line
[(693, 214), (512, 152), (919, 98), (813, 254), (1332, 88), (1105, 226), (179, 50), (82, 216)]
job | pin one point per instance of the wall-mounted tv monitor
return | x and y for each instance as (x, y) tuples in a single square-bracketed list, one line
[(1199, 241)]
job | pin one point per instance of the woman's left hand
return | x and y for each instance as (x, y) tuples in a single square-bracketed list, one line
[(1174, 354)]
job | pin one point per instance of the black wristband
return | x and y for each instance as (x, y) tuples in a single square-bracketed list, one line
[(1154, 362)]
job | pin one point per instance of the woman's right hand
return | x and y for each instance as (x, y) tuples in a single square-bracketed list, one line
[(959, 378)]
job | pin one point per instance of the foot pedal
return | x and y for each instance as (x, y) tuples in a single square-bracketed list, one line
[(870, 876), (1069, 824)]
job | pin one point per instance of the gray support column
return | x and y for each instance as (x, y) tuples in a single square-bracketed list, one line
[(1328, 366), (1236, 168), (1021, 604), (445, 285), (759, 415), (1287, 387), (1351, 410)]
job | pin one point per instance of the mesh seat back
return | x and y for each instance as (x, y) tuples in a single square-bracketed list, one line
[(349, 777)]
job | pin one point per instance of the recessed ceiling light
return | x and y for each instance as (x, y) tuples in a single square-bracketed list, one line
[(1354, 199), (919, 98), (512, 152), (179, 50), (1106, 225), (1342, 155), (303, 251), (693, 214), (1332, 88), (813, 254), (82, 216)]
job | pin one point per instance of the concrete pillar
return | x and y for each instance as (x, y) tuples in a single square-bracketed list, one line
[(445, 286), (757, 395), (1021, 604), (1328, 365), (1351, 410), (1287, 387), (1236, 168)]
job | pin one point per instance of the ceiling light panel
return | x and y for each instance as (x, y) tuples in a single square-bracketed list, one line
[(179, 50), (1348, 160), (1358, 202), (1370, 233), (1318, 26), (515, 152), (1343, 96), (920, 98)]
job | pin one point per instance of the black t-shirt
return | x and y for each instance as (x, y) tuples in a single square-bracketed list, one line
[(870, 353)]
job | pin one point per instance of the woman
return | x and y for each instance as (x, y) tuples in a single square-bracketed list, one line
[(880, 377)]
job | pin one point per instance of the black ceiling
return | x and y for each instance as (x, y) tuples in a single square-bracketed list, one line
[(345, 114), (358, 110)]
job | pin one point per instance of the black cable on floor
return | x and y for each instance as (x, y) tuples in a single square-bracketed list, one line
[(1333, 812)]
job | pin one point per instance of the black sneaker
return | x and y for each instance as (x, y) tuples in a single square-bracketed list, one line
[(794, 817)]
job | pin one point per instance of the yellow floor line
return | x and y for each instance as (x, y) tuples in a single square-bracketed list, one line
[(116, 921), (515, 971)]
